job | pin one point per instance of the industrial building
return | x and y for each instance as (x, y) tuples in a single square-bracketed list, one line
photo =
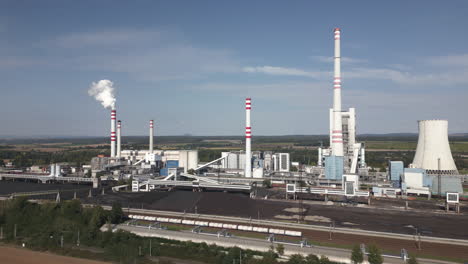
[(344, 155), (433, 171)]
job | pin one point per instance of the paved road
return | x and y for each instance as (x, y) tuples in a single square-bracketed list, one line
[(334, 254)]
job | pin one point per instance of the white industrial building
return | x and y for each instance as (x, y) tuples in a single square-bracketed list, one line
[(281, 162), (188, 159)]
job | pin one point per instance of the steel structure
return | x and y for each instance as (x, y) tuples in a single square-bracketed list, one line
[(193, 181), (45, 179)]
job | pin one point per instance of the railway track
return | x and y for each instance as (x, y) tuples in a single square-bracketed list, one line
[(361, 232)]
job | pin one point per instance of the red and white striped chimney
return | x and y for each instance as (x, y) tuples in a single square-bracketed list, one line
[(248, 136), (151, 136), (337, 130), (113, 118), (119, 127)]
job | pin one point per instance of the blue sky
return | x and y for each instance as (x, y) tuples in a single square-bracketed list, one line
[(190, 64)]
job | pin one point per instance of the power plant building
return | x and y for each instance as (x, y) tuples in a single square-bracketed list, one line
[(334, 167), (348, 155), (396, 169)]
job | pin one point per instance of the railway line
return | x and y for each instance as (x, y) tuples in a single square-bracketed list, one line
[(270, 223)]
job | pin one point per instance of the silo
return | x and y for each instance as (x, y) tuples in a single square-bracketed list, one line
[(192, 159)]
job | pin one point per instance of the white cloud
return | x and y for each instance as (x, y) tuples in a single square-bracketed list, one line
[(449, 61), (343, 59), (438, 78), (272, 70)]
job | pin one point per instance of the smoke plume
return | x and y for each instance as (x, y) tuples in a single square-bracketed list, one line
[(103, 91)]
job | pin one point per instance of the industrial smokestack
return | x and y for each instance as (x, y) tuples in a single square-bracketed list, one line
[(119, 127), (248, 136), (337, 133), (151, 136), (113, 118), (103, 91)]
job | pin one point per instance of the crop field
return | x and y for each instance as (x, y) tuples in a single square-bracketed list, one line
[(13, 255)]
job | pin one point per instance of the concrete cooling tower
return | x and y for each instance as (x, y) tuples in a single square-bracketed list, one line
[(433, 151)]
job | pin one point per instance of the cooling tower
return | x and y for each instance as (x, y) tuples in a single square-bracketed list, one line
[(433, 151)]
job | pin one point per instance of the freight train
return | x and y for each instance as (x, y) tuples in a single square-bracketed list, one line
[(257, 229)]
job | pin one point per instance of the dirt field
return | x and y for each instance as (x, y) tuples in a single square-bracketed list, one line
[(12, 255)]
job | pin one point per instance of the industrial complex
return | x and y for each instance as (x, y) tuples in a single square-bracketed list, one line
[(341, 175), (341, 168)]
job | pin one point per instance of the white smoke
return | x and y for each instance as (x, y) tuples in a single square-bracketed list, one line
[(103, 91)]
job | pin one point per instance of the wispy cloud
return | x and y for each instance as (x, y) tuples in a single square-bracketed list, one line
[(399, 75), (449, 61), (272, 70), (348, 60)]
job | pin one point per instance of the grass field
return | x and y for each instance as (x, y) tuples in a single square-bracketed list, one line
[(456, 147)]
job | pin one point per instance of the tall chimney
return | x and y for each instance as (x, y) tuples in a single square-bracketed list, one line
[(248, 136), (151, 136), (337, 133), (119, 127), (113, 117)]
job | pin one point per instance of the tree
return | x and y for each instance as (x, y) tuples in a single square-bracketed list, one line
[(324, 260), (191, 171), (116, 214), (356, 255), (296, 259), (280, 249), (374, 256), (312, 259), (266, 183), (412, 260)]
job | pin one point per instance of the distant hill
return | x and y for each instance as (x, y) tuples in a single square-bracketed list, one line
[(309, 139)]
